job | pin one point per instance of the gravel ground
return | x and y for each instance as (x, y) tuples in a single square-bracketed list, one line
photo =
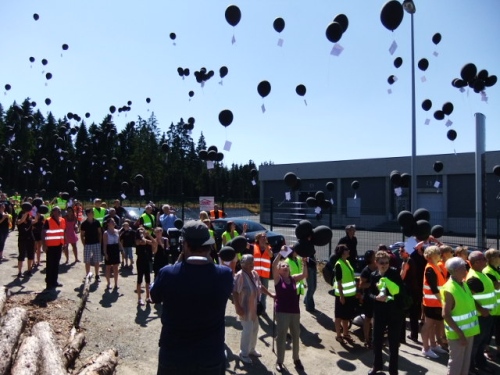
[(113, 319)]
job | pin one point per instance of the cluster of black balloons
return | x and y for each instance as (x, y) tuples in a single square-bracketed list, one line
[(446, 109), (308, 237), (233, 15), (292, 181), (74, 116), (478, 81), (337, 28), (319, 198), (189, 125), (211, 153), (183, 72), (417, 224), (400, 179), (203, 75)]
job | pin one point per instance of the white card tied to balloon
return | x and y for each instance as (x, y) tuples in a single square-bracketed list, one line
[(288, 196), (280, 42), (427, 121), (210, 164), (254, 182), (336, 50), (285, 253), (263, 108), (449, 123), (317, 210), (423, 79), (437, 184), (393, 47), (123, 196), (398, 191), (142, 192), (227, 146)]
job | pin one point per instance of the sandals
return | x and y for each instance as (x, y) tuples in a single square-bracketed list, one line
[(348, 338), (340, 339), (149, 300), (140, 302)]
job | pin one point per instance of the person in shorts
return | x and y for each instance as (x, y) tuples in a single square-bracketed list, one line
[(91, 238), (127, 239)]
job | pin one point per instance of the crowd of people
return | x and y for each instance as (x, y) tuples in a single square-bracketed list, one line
[(450, 296)]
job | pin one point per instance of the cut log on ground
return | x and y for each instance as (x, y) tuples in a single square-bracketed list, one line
[(28, 357), (83, 301), (11, 327), (102, 364), (3, 299), (73, 349), (51, 363)]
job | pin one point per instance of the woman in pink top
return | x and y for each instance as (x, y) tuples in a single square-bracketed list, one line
[(71, 236)]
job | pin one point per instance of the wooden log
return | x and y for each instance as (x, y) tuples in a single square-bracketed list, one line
[(11, 327), (83, 301), (101, 364), (51, 360), (73, 349), (3, 299), (28, 357)]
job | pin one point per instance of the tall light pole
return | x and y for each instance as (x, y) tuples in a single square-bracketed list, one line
[(409, 7)]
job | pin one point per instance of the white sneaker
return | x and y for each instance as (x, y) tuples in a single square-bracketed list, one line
[(246, 359), (255, 353), (438, 349), (429, 353)]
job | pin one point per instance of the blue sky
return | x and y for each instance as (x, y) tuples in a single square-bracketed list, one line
[(121, 50)]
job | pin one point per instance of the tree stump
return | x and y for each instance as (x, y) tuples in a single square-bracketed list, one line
[(101, 364), (83, 301), (51, 363), (73, 349), (28, 357)]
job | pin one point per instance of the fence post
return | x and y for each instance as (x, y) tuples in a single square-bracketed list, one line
[(331, 225), (271, 211)]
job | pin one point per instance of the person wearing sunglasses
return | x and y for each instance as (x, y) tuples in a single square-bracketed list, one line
[(388, 315)]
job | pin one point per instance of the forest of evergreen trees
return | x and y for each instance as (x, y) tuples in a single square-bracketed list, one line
[(41, 154)]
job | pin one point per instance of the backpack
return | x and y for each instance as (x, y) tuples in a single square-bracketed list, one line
[(328, 273)]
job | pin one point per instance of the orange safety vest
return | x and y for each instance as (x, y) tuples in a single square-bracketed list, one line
[(220, 214), (79, 214), (430, 300), (444, 271), (54, 236), (262, 262)]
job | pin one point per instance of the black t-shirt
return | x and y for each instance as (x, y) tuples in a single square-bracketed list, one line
[(120, 211), (4, 225), (128, 238), (475, 285), (38, 225), (24, 229), (116, 218), (143, 252), (365, 274), (352, 244), (91, 230)]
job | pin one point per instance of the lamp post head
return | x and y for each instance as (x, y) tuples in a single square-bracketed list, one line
[(409, 6)]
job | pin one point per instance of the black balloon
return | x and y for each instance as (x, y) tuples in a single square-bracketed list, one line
[(87, 115), (422, 214), (304, 248), (334, 32), (223, 71), (112, 109), (44, 62), (311, 202), (297, 185), (468, 72), (186, 72), (180, 71), (409, 230), (482, 74), (438, 166), (343, 21), (48, 101), (7, 87), (212, 155), (391, 79), (239, 244), (26, 206), (37, 202), (264, 88), (496, 170), (165, 147), (452, 135), (219, 156), (178, 223), (203, 154), (398, 61), (191, 94), (322, 235), (233, 15), (426, 104), (355, 185), (395, 178), (448, 108), (325, 205), (458, 83), (490, 81), (191, 120), (279, 24), (436, 38), (290, 179), (65, 47), (439, 115), (437, 231), (405, 180), (478, 85), (214, 148), (148, 100), (227, 253), (43, 210), (32, 59), (253, 172), (406, 219), (173, 36), (392, 14), (423, 64), (36, 17), (423, 230), (226, 117), (139, 178), (320, 196), (300, 90), (330, 186), (48, 75), (304, 229), (124, 185)]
